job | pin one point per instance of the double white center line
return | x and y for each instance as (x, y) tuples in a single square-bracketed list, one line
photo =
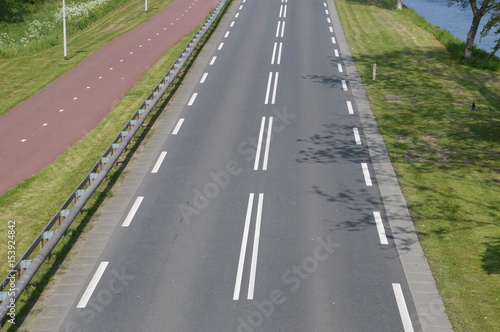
[(283, 11), (267, 144), (269, 85), (255, 252), (277, 47)]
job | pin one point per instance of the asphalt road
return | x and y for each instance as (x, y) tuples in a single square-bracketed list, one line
[(262, 212)]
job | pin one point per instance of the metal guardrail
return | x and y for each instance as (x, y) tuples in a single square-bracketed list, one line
[(76, 201)]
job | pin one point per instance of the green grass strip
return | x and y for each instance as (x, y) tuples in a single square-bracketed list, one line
[(446, 156)]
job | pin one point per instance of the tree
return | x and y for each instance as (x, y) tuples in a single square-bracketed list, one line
[(479, 9), (493, 23)]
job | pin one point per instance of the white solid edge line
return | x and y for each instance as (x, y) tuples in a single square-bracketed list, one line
[(244, 241), (366, 174), (380, 227), (178, 126), (213, 60), (253, 267), (268, 143), (203, 78), (275, 88), (132, 211), (279, 53), (403, 310), (159, 162), (349, 107), (193, 98), (259, 144), (92, 285), (357, 138), (269, 81), (274, 52)]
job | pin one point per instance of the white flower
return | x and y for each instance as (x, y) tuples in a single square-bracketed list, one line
[(83, 9)]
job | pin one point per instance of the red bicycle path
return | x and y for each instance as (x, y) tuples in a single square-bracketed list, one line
[(34, 133)]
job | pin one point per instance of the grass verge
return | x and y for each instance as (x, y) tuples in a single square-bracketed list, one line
[(446, 156)]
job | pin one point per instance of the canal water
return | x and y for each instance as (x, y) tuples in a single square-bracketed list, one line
[(452, 18)]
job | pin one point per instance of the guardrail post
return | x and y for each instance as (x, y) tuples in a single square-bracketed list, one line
[(123, 134), (62, 215), (114, 147), (23, 265), (78, 194), (45, 237), (104, 161), (92, 177)]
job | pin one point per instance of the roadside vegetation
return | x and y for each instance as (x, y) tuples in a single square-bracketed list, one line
[(446, 154), (28, 26)]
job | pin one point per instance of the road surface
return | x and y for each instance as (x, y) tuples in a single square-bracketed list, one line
[(257, 207)]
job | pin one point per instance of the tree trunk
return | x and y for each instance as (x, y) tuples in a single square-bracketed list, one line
[(471, 35), (399, 5)]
